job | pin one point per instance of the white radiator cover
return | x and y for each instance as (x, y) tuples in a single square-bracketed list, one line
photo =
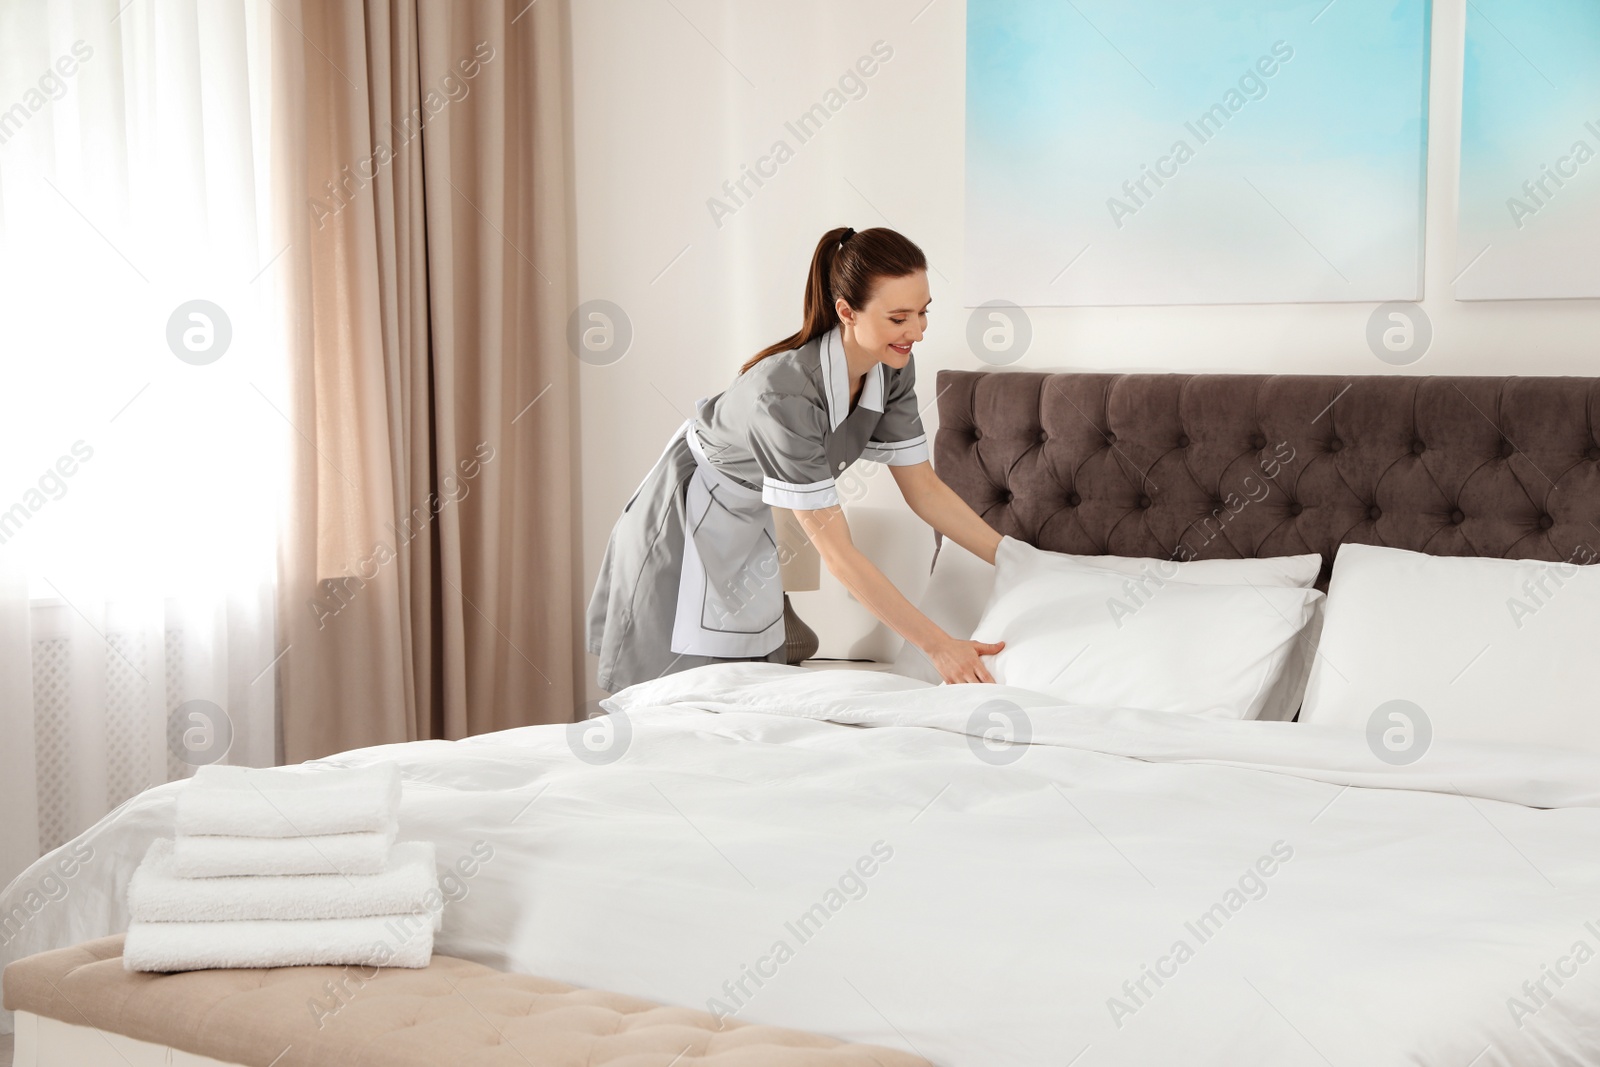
[(129, 755)]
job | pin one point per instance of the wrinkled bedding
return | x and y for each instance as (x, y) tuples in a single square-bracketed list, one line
[(847, 853)]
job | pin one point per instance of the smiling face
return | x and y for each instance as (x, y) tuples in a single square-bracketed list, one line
[(893, 319)]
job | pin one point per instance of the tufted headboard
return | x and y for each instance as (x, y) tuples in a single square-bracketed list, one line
[(1200, 466)]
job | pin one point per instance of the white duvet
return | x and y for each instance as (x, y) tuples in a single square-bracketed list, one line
[(1133, 888)]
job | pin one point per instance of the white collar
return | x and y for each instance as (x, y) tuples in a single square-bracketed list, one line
[(836, 380)]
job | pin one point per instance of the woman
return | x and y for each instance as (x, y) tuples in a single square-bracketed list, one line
[(797, 415)]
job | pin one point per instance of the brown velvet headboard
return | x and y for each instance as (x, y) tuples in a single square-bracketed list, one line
[(1199, 466)]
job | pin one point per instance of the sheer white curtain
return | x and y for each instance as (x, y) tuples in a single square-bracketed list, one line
[(142, 429)]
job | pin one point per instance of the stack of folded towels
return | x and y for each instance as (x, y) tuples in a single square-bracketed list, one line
[(282, 867)]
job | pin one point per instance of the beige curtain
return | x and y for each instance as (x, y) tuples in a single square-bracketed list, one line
[(426, 578)]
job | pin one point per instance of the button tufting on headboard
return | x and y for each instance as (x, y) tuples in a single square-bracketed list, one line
[(1227, 465)]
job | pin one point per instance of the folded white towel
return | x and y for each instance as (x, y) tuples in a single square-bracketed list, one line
[(409, 884), (381, 941), (215, 856), (289, 801)]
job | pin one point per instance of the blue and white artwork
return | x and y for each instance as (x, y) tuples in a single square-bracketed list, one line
[(1529, 209), (1193, 152)]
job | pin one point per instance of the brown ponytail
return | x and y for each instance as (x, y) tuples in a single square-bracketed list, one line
[(846, 264)]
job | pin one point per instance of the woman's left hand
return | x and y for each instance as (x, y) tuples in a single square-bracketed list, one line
[(957, 660)]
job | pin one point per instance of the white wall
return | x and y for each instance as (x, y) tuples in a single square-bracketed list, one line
[(672, 96)]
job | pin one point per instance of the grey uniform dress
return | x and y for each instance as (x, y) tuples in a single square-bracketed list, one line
[(780, 435)]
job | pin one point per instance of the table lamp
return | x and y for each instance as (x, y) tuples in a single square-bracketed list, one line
[(800, 568)]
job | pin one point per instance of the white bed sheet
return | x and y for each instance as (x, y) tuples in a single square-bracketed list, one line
[(1022, 903)]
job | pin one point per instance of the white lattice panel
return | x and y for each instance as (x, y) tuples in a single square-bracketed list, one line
[(52, 692), (126, 674), (128, 670)]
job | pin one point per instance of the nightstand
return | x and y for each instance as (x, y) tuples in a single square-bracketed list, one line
[(846, 665)]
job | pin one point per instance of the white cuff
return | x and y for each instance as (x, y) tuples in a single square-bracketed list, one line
[(898, 453), (798, 497)]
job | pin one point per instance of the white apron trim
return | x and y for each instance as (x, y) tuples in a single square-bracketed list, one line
[(730, 591)]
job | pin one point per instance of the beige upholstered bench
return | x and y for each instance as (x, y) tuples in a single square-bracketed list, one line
[(78, 1007)]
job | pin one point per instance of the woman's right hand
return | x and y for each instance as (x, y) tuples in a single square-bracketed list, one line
[(957, 660)]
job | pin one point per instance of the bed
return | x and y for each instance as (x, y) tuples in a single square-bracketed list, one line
[(842, 852)]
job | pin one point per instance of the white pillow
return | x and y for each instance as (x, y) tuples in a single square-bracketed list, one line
[(1488, 649), (957, 590), (1096, 636), (961, 584)]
